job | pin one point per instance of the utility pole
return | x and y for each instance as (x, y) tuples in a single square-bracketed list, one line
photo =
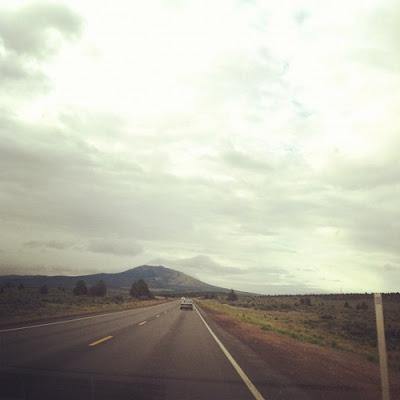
[(380, 328)]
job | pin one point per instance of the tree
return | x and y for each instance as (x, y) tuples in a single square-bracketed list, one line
[(140, 290), (80, 288), (99, 289), (44, 289), (232, 296)]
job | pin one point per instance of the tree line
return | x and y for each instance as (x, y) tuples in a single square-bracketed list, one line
[(139, 289)]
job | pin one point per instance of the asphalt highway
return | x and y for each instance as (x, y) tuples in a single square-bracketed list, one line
[(159, 352), (151, 353)]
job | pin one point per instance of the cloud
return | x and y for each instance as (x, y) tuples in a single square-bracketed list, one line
[(28, 36), (199, 264), (15, 72), (103, 245), (240, 160), (50, 244), (275, 278), (42, 269), (34, 30), (241, 154), (390, 267), (363, 174), (116, 247)]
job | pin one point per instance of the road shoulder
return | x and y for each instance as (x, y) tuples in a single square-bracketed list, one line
[(279, 365)]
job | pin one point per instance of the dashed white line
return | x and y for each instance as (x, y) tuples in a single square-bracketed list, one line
[(66, 321), (253, 390), (142, 323)]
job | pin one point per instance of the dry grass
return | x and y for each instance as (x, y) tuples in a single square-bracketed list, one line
[(343, 322), (29, 305)]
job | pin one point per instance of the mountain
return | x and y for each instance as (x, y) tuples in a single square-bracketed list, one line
[(159, 278)]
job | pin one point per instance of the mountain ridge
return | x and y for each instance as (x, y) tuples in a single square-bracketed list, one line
[(158, 278)]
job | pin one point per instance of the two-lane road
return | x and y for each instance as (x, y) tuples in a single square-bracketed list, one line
[(159, 352)]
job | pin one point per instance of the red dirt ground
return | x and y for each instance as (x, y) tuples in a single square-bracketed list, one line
[(305, 364)]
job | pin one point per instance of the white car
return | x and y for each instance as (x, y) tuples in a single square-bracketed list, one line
[(186, 304)]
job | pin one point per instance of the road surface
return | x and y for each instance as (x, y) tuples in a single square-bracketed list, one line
[(158, 352)]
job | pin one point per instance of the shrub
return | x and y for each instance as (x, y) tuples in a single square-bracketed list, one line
[(362, 306), (80, 288), (306, 301), (140, 290), (232, 296), (118, 299), (99, 289), (44, 289), (346, 305), (327, 316), (21, 286)]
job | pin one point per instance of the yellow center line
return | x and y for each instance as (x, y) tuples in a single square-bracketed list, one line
[(100, 340), (142, 323)]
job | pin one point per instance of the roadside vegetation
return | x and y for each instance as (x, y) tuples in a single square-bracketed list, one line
[(140, 290), (21, 304), (343, 322)]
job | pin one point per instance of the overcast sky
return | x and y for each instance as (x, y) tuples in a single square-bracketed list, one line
[(251, 144)]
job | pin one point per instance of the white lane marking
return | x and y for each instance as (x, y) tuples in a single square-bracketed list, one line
[(253, 390), (157, 315), (68, 320), (143, 322)]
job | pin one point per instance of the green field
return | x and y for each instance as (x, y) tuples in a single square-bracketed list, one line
[(28, 304), (343, 322)]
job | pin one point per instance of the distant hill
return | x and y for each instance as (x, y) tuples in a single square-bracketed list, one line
[(159, 278)]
